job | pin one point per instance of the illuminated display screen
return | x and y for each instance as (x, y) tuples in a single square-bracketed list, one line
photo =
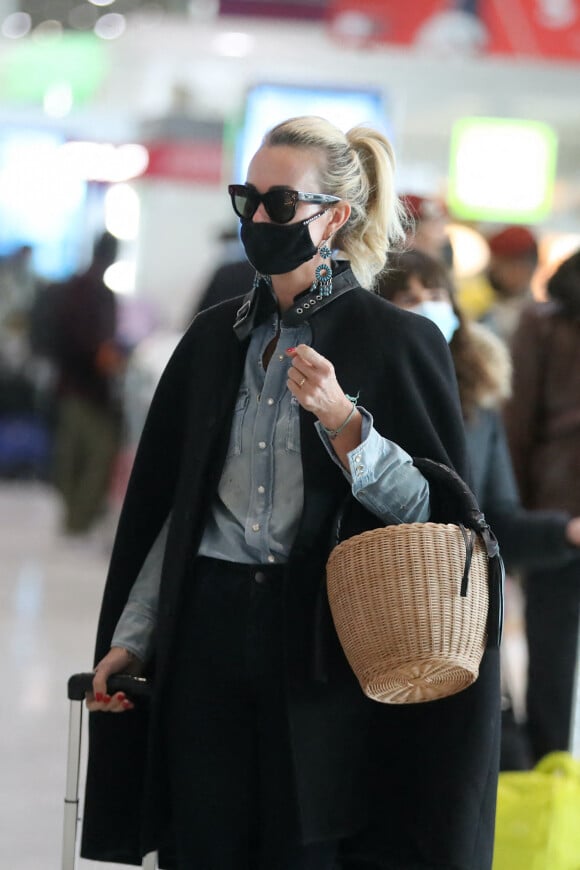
[(502, 170), (41, 202), (268, 104)]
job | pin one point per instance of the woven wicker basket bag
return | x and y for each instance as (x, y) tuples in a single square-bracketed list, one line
[(411, 603), (395, 596)]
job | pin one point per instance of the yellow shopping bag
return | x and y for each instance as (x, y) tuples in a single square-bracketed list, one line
[(538, 816)]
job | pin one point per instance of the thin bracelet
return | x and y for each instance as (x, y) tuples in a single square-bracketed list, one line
[(332, 433)]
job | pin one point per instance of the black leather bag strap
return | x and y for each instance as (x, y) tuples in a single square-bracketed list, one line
[(462, 506), (469, 541)]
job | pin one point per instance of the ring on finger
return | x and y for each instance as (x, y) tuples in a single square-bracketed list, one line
[(302, 382)]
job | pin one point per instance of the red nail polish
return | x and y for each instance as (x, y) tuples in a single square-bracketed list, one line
[(121, 696), (98, 696), (106, 698), (290, 350)]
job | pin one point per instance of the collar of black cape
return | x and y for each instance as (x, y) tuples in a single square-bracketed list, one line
[(260, 303)]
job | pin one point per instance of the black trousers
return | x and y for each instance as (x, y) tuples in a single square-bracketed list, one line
[(231, 776), (552, 613), (226, 730)]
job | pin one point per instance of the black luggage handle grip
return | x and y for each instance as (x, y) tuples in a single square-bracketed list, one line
[(133, 687)]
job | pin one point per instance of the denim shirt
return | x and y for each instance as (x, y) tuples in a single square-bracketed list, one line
[(255, 513)]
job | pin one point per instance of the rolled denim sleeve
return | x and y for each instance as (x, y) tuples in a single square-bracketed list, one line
[(383, 477), (135, 629)]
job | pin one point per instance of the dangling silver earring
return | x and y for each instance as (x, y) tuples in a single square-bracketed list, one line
[(324, 272)]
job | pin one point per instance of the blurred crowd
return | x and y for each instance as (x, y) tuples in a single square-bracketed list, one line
[(66, 416), (75, 386), (517, 359)]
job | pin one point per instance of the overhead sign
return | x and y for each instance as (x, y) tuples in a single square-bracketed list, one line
[(532, 28), (382, 20), (536, 28)]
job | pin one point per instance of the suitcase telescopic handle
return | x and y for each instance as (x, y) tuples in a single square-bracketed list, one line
[(133, 687)]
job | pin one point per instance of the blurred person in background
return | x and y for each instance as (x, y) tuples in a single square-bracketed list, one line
[(260, 744), (546, 538), (24, 433), (497, 296), (88, 361), (18, 286), (543, 426), (426, 226)]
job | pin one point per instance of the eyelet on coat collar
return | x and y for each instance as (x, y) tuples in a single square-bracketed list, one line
[(260, 303)]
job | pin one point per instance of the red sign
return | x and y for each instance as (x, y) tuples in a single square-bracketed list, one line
[(186, 160), (525, 28), (533, 28), (382, 20)]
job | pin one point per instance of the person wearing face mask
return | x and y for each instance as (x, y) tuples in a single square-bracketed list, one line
[(259, 750), (546, 538), (543, 425), (528, 538)]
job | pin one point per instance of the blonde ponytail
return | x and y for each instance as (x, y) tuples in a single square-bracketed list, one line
[(359, 168)]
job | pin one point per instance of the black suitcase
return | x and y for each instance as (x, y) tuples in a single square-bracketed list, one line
[(78, 684)]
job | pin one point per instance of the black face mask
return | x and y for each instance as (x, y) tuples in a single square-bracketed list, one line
[(274, 249)]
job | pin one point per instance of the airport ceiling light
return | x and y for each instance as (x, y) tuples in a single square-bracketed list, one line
[(501, 170), (77, 59)]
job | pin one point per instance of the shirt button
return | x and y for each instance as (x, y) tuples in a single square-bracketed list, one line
[(357, 457), (259, 576), (271, 559), (281, 357), (256, 527), (261, 489), (360, 469), (262, 445), (270, 401)]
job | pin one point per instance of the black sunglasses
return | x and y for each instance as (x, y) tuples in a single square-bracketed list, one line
[(280, 202)]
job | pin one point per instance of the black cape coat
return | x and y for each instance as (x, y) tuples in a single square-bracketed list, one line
[(413, 785)]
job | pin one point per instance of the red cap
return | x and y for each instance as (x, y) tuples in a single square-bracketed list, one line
[(422, 208), (513, 242)]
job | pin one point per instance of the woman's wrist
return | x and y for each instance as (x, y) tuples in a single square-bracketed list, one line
[(120, 656), (336, 423)]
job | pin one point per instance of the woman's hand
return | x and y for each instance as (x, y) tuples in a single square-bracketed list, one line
[(311, 379), (118, 660), (573, 532)]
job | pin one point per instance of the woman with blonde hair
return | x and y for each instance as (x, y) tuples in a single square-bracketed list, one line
[(260, 751)]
